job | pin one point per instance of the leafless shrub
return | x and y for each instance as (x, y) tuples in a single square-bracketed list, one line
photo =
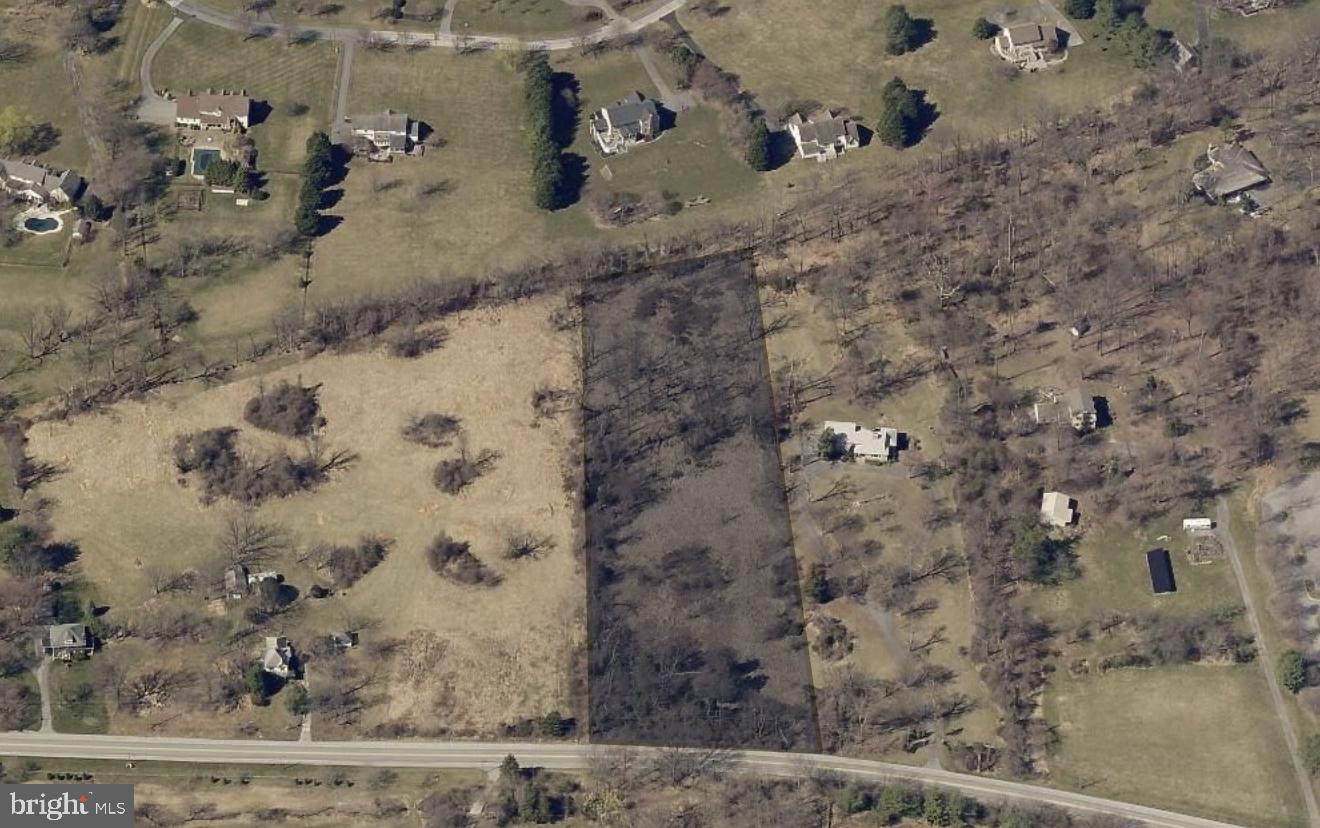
[(432, 430)]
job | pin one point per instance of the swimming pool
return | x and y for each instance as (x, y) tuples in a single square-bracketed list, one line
[(41, 225), (202, 158)]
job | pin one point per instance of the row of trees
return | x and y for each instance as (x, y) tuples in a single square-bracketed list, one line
[(548, 176), (317, 173)]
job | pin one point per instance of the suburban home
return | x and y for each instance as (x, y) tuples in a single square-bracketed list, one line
[(823, 138), (67, 641), (82, 231), (35, 182), (214, 110), (1058, 509), (1233, 169), (1081, 410), (863, 443), (236, 581), (278, 659), (631, 121), (383, 134), (1161, 572), (1029, 46)]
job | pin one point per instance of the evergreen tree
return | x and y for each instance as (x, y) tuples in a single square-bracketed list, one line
[(983, 29), (1292, 671), (1311, 754), (758, 146), (900, 115), (1079, 9), (900, 30)]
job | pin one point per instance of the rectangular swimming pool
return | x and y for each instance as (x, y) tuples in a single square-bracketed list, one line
[(201, 159)]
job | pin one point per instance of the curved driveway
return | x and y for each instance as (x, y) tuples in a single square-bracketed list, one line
[(618, 27), (564, 756)]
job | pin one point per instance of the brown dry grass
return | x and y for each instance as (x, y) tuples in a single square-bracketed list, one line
[(502, 653)]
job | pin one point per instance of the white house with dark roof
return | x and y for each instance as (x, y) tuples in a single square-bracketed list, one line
[(34, 182), (213, 110), (823, 138), (383, 133), (631, 121)]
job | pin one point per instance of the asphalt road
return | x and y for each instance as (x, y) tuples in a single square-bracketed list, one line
[(562, 756), (440, 39)]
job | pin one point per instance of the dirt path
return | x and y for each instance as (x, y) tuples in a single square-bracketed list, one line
[(1223, 519), (43, 685)]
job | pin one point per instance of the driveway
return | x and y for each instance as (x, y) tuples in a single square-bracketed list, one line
[(339, 131), (153, 107)]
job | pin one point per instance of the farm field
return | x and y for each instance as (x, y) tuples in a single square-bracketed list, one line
[(1196, 739), (199, 57), (465, 659)]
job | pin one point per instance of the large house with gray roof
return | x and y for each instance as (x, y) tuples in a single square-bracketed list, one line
[(1232, 169), (383, 133), (214, 110), (823, 138), (631, 121), (35, 182)]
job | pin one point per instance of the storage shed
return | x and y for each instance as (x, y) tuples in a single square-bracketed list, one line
[(1161, 571)]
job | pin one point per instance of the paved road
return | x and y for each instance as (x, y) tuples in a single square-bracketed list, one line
[(1266, 659), (152, 107), (564, 756), (440, 39)]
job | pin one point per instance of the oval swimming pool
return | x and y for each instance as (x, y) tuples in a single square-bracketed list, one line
[(41, 225)]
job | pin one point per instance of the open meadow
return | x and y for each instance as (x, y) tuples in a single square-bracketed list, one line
[(447, 657), (38, 85), (1194, 739)]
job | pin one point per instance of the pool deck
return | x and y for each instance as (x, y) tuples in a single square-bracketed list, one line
[(41, 212)]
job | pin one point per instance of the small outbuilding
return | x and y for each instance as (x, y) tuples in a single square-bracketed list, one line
[(1161, 572), (1198, 524), (1233, 169), (236, 582), (1058, 509)]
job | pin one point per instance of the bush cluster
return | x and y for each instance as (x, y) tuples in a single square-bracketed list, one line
[(347, 564), (454, 560), (213, 455), (288, 409)]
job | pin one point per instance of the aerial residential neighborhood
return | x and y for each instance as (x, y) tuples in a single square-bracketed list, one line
[(660, 413)]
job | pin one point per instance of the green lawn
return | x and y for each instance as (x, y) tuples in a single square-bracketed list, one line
[(519, 17), (200, 57), (75, 705), (691, 159), (1115, 576), (40, 87), (1194, 739), (138, 26), (785, 50)]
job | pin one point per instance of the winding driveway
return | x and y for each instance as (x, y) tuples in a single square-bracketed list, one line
[(153, 107), (566, 756), (618, 27)]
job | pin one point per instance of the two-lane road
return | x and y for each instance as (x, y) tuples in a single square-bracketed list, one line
[(561, 756)]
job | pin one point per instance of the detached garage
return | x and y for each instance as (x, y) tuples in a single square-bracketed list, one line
[(1161, 571)]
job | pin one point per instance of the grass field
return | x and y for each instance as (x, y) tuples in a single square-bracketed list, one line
[(1115, 576), (1193, 739), (137, 27), (484, 217), (784, 51), (75, 706), (43, 70), (502, 653), (200, 57), (519, 17)]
